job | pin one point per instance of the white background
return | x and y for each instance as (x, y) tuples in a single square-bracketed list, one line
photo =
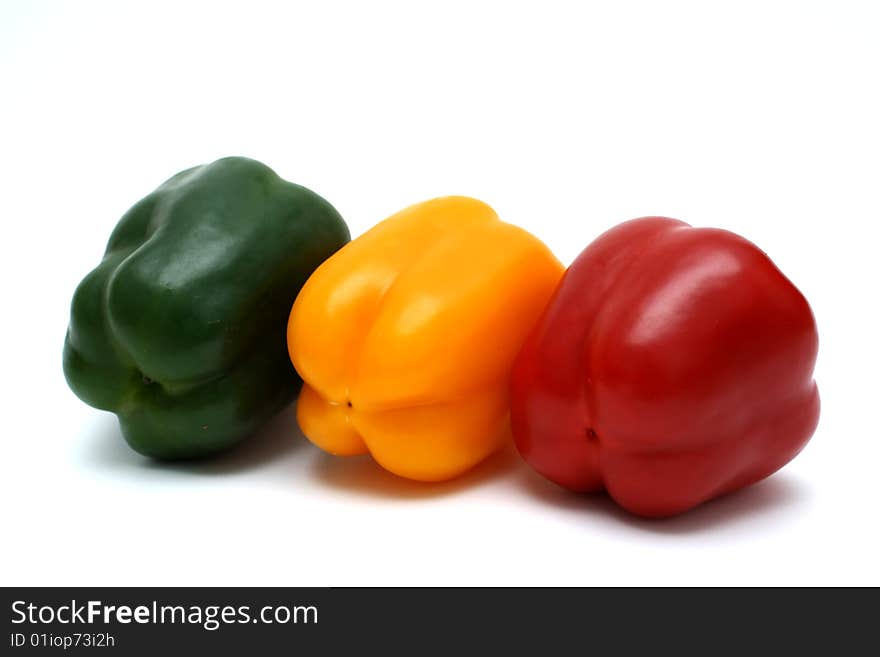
[(763, 118)]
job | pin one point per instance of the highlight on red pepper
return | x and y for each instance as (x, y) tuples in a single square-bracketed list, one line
[(672, 365)]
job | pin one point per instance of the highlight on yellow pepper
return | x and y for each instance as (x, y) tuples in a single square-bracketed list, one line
[(405, 337)]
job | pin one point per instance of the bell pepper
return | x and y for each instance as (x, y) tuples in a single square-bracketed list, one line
[(180, 329), (673, 365), (406, 337)]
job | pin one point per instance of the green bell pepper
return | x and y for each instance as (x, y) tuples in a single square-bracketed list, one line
[(180, 330)]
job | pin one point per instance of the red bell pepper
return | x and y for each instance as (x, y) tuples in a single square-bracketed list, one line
[(672, 365)]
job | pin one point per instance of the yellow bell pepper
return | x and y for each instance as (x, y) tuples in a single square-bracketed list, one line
[(405, 338)]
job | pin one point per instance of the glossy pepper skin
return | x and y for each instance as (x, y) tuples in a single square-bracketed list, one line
[(673, 365), (406, 337), (180, 329)]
